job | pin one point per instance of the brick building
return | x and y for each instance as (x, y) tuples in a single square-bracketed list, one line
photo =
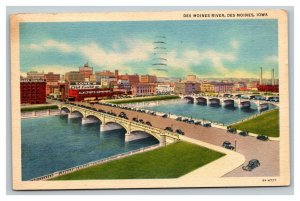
[(51, 82), (33, 91), (186, 87), (90, 94), (74, 76), (86, 70), (143, 89), (148, 78)]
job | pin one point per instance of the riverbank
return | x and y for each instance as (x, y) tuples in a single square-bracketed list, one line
[(141, 99), (41, 113), (266, 124), (171, 161), (28, 108), (61, 173)]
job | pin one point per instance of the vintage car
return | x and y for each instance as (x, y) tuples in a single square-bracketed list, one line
[(227, 145), (254, 163)]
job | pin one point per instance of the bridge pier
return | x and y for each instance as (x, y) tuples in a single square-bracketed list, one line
[(74, 115), (88, 121), (109, 127)]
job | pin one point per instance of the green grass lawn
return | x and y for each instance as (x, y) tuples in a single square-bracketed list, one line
[(142, 99), (38, 107), (266, 124), (171, 161)]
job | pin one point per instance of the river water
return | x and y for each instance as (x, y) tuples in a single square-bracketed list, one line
[(219, 114), (55, 143)]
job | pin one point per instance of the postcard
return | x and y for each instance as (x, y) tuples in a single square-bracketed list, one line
[(174, 99)]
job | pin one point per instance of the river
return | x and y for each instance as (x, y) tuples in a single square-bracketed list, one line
[(55, 143), (220, 114)]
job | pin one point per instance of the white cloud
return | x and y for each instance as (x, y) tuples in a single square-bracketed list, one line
[(235, 44), (51, 44), (137, 50), (271, 59)]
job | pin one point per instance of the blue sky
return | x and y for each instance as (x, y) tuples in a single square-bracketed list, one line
[(207, 48)]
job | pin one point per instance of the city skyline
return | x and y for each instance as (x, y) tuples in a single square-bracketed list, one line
[(221, 49)]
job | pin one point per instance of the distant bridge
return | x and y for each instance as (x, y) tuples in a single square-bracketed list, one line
[(110, 122), (228, 101)]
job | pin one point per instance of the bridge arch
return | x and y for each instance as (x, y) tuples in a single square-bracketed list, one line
[(77, 112), (201, 100), (65, 109), (112, 125), (92, 119), (189, 99), (140, 134)]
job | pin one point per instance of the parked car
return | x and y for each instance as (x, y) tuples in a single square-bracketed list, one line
[(179, 132), (185, 120), (262, 137), (254, 163), (165, 116), (198, 123), (244, 133), (141, 121), (135, 119), (227, 145), (232, 130), (169, 129), (207, 125), (148, 123), (178, 119)]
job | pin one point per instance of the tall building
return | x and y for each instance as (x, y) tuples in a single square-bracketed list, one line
[(148, 78), (86, 70), (33, 91), (74, 76), (191, 78), (132, 79), (143, 89), (217, 87), (186, 87), (51, 82), (35, 75)]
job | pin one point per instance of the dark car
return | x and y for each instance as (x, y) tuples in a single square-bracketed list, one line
[(191, 121), (262, 137), (169, 129), (178, 119), (179, 132), (165, 116), (244, 133), (185, 120), (227, 145), (231, 130), (198, 123), (148, 123), (141, 121), (254, 163), (135, 119), (207, 125)]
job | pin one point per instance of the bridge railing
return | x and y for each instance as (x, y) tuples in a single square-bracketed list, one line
[(122, 120)]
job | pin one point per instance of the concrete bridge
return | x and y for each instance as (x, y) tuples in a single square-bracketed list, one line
[(134, 130), (228, 101)]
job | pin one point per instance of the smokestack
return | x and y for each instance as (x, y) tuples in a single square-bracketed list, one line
[(273, 79), (260, 78)]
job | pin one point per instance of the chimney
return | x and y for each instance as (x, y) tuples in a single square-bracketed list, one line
[(260, 78), (117, 74), (273, 79)]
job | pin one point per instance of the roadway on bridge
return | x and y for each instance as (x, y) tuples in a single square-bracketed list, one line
[(267, 152)]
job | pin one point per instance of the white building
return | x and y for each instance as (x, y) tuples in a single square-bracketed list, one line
[(164, 88)]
